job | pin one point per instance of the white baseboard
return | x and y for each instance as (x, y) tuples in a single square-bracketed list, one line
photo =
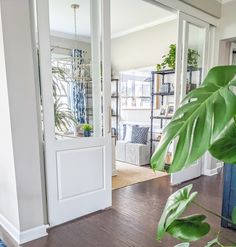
[(33, 233), (23, 236), (114, 172), (9, 228), (212, 172)]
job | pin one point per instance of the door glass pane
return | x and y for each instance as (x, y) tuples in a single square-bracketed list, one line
[(195, 56), (75, 33), (193, 63)]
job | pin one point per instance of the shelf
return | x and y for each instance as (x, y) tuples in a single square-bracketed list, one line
[(161, 117), (115, 115), (155, 140), (164, 94), (171, 71), (136, 97), (114, 96)]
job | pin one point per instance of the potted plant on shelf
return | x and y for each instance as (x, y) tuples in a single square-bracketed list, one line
[(87, 128), (205, 121), (169, 59)]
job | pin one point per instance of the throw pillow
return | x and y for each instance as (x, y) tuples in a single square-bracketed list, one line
[(124, 131), (140, 135), (129, 131)]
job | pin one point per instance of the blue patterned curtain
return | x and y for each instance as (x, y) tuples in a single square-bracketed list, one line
[(78, 87)]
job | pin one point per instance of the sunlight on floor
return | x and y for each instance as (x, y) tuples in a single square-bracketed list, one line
[(131, 174)]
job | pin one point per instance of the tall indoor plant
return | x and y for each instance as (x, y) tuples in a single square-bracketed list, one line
[(205, 121), (63, 115)]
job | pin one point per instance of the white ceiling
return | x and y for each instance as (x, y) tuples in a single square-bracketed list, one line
[(126, 16)]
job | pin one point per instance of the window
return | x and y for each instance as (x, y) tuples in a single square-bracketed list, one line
[(136, 89)]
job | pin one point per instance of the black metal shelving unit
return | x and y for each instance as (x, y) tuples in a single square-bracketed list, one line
[(154, 94), (116, 113)]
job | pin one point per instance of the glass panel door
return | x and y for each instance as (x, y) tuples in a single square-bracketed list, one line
[(74, 54), (192, 64)]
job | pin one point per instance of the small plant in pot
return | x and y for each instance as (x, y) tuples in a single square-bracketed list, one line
[(87, 128)]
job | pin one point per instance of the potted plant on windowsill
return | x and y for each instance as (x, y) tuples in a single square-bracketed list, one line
[(205, 121), (87, 128)]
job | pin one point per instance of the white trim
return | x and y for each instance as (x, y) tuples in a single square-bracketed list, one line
[(225, 1), (33, 233), (10, 228), (212, 172), (144, 26), (24, 236), (185, 8), (114, 173)]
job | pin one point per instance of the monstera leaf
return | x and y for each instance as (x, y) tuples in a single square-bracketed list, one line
[(175, 206), (191, 228), (199, 121), (182, 245), (212, 243), (224, 148), (234, 215)]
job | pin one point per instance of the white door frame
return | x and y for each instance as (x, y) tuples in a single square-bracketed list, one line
[(88, 202), (181, 67), (185, 8)]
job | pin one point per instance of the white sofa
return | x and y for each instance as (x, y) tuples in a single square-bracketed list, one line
[(133, 153)]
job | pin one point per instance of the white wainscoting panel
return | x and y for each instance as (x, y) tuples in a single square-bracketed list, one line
[(80, 171)]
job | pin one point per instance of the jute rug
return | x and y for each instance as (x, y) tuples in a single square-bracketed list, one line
[(130, 174)]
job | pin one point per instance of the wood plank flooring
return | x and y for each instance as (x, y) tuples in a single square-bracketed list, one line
[(132, 220)]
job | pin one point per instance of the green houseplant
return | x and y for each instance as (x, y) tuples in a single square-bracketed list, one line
[(169, 59), (63, 115), (205, 121), (87, 128)]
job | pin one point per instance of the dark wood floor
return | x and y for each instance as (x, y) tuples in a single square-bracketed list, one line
[(132, 220)]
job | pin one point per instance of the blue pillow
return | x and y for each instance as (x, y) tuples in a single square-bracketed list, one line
[(2, 244), (139, 135)]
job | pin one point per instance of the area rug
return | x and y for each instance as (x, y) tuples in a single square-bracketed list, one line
[(130, 174)]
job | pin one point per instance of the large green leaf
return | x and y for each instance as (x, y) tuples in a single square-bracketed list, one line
[(199, 121), (191, 228), (234, 215), (175, 206), (224, 148), (182, 245), (213, 243)]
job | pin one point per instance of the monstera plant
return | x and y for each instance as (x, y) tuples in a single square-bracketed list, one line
[(205, 121)]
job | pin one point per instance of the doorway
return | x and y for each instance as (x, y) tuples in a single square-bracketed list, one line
[(74, 73), (77, 94), (139, 40)]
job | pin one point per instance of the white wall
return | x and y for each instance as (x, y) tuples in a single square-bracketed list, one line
[(143, 48), (138, 50), (212, 7), (227, 27), (226, 32), (21, 159), (70, 44), (8, 193)]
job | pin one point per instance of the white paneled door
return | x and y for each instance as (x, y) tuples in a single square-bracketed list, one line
[(193, 35), (78, 168)]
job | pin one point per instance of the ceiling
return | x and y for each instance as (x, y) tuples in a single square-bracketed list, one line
[(126, 16)]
